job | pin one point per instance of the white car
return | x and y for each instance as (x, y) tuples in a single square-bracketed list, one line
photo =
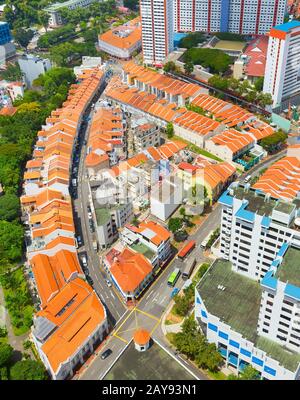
[(108, 282)]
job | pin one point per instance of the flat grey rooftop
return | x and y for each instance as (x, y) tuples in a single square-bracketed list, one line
[(238, 305), (289, 359), (257, 202), (289, 270), (153, 364)]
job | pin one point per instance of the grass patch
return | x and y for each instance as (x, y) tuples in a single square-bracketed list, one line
[(218, 376), (170, 337)]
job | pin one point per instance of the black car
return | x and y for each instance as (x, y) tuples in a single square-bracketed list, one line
[(105, 354), (89, 280)]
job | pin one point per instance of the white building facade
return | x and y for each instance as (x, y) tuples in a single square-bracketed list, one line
[(157, 30), (282, 79)]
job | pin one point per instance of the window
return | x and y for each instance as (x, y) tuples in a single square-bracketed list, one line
[(286, 310), (269, 303), (284, 317), (282, 331)]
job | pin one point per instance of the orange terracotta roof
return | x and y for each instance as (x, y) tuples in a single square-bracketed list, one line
[(77, 312), (141, 337), (152, 231), (123, 37), (130, 270), (52, 273), (233, 139), (282, 179)]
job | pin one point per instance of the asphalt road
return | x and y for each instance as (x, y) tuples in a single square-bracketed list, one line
[(114, 306)]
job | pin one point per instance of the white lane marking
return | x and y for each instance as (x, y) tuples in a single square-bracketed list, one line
[(163, 300), (112, 295)]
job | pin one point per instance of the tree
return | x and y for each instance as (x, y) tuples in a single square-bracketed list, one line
[(273, 142), (251, 96), (5, 354), (188, 67), (259, 83), (182, 305), (28, 370), (170, 66), (249, 374), (23, 36), (216, 60), (170, 130), (218, 82), (12, 72), (182, 212), (175, 224), (11, 241), (191, 40), (9, 206), (208, 357), (43, 17), (265, 99)]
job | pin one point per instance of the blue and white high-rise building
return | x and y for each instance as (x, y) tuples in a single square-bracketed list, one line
[(248, 302)]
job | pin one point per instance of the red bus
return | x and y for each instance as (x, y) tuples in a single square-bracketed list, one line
[(187, 249)]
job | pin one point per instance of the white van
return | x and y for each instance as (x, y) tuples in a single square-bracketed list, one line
[(247, 179)]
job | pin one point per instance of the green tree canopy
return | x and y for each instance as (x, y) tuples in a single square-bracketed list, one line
[(11, 241), (23, 36), (170, 66), (192, 40), (175, 224), (28, 370), (5, 354), (170, 130), (216, 60), (9, 206), (188, 67)]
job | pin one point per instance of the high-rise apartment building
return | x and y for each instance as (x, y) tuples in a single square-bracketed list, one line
[(248, 17), (237, 16), (282, 78), (251, 322), (157, 30)]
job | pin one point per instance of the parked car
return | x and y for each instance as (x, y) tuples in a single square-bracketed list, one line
[(79, 241), (108, 282), (89, 280), (105, 354), (84, 261)]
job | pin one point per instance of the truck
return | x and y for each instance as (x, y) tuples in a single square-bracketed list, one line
[(95, 245), (189, 266)]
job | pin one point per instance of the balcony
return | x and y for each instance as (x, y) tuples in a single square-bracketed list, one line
[(233, 359)]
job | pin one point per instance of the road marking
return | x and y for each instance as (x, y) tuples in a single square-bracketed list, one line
[(112, 295), (147, 314), (155, 326), (119, 337), (163, 299)]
